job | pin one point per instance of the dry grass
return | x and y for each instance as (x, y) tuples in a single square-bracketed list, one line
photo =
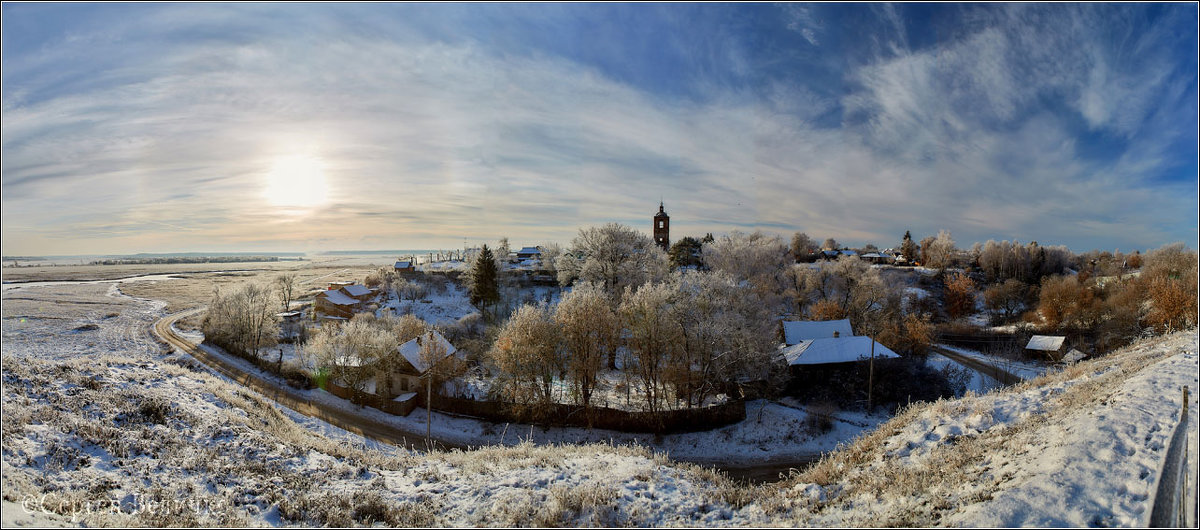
[(922, 490)]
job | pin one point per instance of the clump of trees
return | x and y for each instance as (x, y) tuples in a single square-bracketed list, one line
[(614, 256), (243, 321), (683, 339), (363, 348), (1113, 310)]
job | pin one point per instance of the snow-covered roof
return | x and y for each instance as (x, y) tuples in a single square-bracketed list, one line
[(529, 250), (1073, 356), (337, 298), (874, 255), (405, 397), (403, 264), (796, 331), (411, 351), (288, 314), (840, 350), (1045, 343), (356, 290)]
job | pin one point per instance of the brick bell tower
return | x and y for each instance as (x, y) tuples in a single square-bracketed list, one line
[(662, 228)]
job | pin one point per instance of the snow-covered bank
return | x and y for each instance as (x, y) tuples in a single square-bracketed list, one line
[(1080, 447)]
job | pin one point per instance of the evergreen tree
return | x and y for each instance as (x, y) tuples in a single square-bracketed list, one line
[(685, 252), (908, 249), (483, 287)]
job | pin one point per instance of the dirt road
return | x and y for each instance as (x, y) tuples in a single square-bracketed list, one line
[(995, 372)]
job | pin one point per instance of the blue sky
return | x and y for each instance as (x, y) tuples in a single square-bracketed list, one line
[(179, 127)]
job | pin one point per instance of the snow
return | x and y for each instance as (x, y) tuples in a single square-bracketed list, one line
[(411, 351), (356, 290), (1079, 447), (1045, 343), (436, 308), (795, 331), (1097, 467), (839, 350), (1024, 369), (337, 298)]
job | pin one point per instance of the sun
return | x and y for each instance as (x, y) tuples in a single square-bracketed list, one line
[(297, 181)]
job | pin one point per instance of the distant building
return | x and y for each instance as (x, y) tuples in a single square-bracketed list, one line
[(529, 253), (879, 258), (405, 267), (662, 228)]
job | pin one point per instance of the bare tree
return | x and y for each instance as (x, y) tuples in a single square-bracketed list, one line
[(830, 244), (802, 246), (960, 296), (285, 286), (1008, 298)]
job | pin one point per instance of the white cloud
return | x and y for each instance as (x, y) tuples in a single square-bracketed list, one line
[(427, 143)]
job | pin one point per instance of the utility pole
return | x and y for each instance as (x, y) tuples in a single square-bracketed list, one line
[(428, 407), (871, 375)]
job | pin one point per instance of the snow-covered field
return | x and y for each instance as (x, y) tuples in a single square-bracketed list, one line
[(103, 426)]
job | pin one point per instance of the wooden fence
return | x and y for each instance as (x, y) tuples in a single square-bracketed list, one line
[(560, 415)]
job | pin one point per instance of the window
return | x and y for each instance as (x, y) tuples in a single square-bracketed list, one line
[(660, 224)]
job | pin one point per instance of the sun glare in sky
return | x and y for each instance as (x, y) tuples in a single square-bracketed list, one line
[(297, 181)]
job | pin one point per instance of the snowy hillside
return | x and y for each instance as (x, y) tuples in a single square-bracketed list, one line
[(101, 425)]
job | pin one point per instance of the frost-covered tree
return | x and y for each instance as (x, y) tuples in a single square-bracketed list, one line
[(1170, 277), (590, 334), (550, 253), (726, 335), (940, 253), (758, 259), (830, 244), (352, 352), (654, 337), (613, 255), (528, 355)]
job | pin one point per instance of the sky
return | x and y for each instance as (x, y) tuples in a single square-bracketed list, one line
[(305, 127)]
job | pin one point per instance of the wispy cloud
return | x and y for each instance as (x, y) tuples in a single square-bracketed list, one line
[(428, 138)]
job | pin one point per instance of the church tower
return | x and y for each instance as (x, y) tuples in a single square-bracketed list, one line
[(662, 228)]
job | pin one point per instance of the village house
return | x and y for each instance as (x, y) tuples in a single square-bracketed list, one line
[(877, 258), (400, 383), (835, 350), (335, 303), (796, 331), (1047, 345), (1052, 348), (405, 267), (529, 253)]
